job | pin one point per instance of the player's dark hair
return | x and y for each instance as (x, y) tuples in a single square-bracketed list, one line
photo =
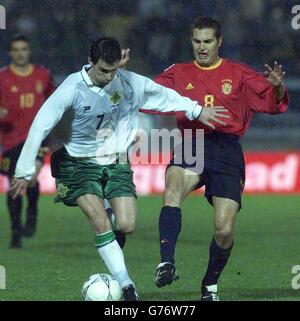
[(15, 38), (207, 22), (106, 49)]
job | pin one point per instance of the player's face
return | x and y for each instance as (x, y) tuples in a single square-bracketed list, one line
[(20, 53), (102, 73), (205, 46)]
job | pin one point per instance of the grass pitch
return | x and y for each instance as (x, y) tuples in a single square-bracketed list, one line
[(54, 264)]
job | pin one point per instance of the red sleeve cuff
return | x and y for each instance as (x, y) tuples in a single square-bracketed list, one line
[(283, 103)]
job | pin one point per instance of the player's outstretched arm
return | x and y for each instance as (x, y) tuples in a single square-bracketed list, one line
[(38, 166), (275, 77), (209, 115), (163, 99), (18, 187), (45, 120)]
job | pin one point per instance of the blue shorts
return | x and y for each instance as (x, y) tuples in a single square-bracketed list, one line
[(224, 166)]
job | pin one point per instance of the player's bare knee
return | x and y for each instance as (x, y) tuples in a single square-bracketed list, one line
[(129, 229), (223, 235), (127, 226)]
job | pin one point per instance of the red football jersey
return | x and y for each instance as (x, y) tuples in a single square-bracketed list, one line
[(21, 95), (236, 86)]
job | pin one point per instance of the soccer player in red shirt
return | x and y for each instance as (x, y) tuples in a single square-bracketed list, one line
[(212, 80), (23, 89)]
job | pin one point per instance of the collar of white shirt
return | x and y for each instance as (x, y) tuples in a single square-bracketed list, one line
[(85, 75), (88, 80)]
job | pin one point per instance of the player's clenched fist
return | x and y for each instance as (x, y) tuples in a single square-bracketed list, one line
[(212, 114)]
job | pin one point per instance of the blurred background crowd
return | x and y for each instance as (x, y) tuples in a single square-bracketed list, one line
[(157, 31)]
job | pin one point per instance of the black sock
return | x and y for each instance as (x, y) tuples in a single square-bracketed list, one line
[(32, 195), (15, 209), (217, 260), (120, 238), (169, 229)]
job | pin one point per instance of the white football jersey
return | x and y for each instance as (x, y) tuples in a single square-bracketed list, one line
[(99, 122)]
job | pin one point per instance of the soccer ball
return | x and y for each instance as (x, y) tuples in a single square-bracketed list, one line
[(101, 287)]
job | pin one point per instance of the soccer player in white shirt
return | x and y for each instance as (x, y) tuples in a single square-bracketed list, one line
[(100, 105)]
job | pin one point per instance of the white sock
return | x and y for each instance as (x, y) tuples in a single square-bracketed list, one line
[(212, 288), (113, 258)]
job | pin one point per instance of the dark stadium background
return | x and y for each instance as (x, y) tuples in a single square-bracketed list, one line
[(255, 32)]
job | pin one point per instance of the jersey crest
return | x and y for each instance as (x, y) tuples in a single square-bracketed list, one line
[(227, 86), (116, 98)]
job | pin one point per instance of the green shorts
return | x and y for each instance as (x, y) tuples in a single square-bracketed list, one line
[(76, 177)]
